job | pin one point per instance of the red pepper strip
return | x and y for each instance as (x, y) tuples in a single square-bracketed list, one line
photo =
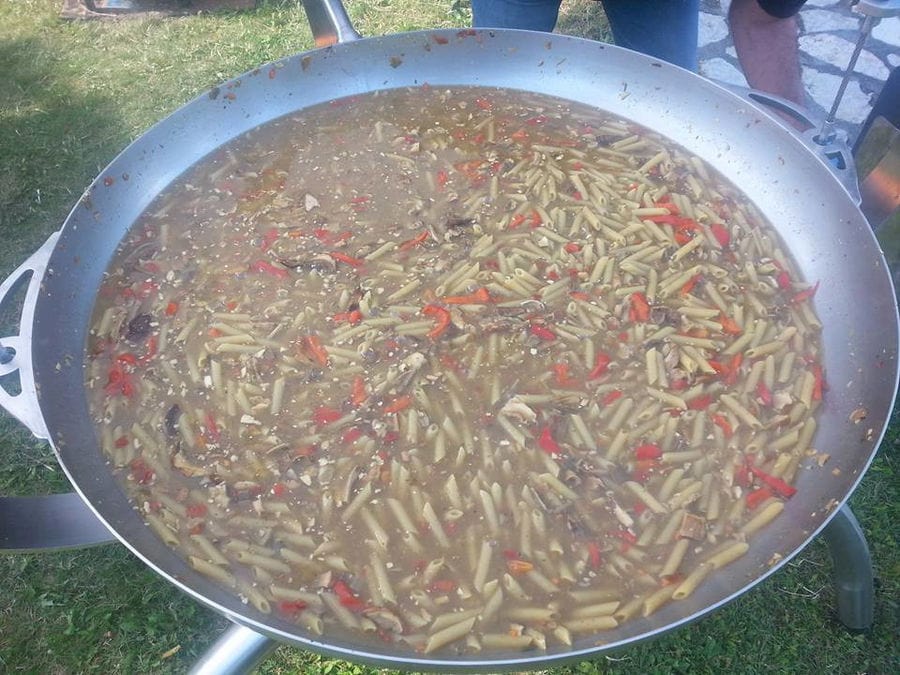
[(483, 104), (442, 586), (306, 451), (572, 247), (639, 311), (516, 220), (580, 295), (347, 597), (121, 441), (728, 371), (665, 203), (778, 486), (742, 476), (757, 497), (783, 279), (542, 332), (734, 365), (316, 349), (682, 237), (172, 309), (671, 579), (648, 451), (594, 555), (346, 259), (763, 394), (415, 241), (818, 382), (324, 415), (520, 135), (291, 606), (118, 382), (643, 469), (701, 402), (729, 325), (601, 365), (511, 553), (612, 397), (721, 234), (628, 539), (547, 443), (517, 567), (128, 358), (805, 294), (196, 510), (479, 297), (442, 178), (352, 317), (266, 267), (536, 220), (398, 404), (140, 471), (562, 377), (212, 429), (441, 317), (358, 393), (690, 284), (351, 436), (268, 239), (722, 422), (152, 346)]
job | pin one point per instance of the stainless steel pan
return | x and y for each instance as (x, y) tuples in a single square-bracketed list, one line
[(790, 184)]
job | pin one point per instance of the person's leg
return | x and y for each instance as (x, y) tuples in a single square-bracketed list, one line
[(666, 29), (765, 37), (525, 14)]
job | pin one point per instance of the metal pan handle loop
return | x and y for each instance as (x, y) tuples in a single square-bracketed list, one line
[(15, 350)]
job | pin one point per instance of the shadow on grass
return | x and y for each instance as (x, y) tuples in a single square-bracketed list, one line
[(52, 138)]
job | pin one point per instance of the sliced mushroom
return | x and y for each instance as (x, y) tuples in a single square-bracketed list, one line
[(138, 328), (187, 468), (692, 527), (518, 409), (321, 262), (384, 619), (171, 420)]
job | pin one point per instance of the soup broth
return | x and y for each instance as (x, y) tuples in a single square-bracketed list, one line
[(465, 370)]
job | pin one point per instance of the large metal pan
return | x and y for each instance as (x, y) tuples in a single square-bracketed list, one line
[(791, 185)]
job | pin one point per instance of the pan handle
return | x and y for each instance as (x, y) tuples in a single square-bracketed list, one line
[(15, 350), (329, 22), (833, 151)]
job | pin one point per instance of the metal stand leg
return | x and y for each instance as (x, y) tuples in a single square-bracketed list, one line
[(853, 580), (237, 652)]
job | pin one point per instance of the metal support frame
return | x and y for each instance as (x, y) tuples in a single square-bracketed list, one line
[(854, 583), (239, 650)]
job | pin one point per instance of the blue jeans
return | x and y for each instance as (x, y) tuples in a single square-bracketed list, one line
[(665, 29)]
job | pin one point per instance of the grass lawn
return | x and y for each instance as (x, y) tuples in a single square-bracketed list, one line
[(74, 94)]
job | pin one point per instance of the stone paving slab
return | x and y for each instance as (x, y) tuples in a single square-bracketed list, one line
[(829, 30)]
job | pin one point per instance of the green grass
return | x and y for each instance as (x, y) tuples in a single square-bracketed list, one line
[(73, 95)]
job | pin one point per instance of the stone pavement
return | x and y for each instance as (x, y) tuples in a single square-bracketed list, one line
[(829, 30)]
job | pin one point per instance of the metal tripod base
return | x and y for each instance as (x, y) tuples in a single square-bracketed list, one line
[(854, 584), (239, 650)]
